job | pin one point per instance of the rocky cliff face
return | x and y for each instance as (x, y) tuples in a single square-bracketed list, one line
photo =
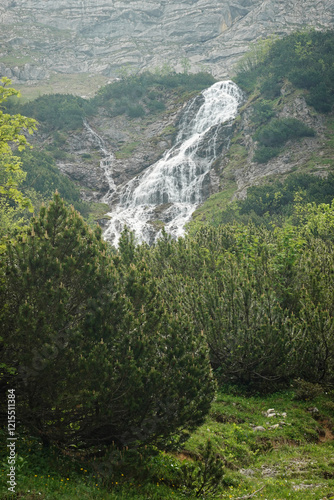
[(304, 155), (38, 38), (109, 151), (309, 154)]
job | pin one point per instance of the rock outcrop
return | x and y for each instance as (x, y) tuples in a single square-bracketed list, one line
[(296, 154), (101, 36), (128, 145)]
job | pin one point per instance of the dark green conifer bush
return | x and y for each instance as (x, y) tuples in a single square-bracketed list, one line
[(98, 356)]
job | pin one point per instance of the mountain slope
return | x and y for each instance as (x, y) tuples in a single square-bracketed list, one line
[(43, 41)]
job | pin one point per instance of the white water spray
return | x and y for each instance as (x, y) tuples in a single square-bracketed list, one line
[(106, 163), (172, 188)]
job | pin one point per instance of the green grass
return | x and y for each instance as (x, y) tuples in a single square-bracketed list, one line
[(294, 460), (15, 60), (97, 211), (290, 461), (127, 150), (210, 210), (81, 84)]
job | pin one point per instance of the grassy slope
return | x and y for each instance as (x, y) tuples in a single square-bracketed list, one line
[(81, 84), (294, 460)]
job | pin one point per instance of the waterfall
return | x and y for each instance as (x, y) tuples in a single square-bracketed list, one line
[(106, 163), (168, 192)]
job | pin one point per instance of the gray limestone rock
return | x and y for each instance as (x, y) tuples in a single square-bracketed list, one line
[(259, 428), (101, 36)]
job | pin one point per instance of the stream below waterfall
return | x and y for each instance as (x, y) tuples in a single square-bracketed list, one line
[(167, 193)]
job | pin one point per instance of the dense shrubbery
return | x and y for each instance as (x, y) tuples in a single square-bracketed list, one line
[(265, 153), (44, 178), (133, 95), (137, 86), (305, 58), (263, 298), (91, 341), (262, 112), (58, 111), (136, 95), (279, 197), (133, 325), (110, 350), (276, 202), (275, 134)]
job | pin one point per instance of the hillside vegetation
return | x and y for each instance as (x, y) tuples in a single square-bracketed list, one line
[(201, 367), (280, 113), (256, 303), (61, 117), (305, 58)]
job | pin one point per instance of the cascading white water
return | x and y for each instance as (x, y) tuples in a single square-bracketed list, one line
[(172, 188), (106, 162)]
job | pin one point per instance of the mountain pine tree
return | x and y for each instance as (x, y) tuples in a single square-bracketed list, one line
[(98, 356)]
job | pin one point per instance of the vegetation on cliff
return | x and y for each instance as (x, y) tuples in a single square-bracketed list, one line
[(305, 59), (117, 355)]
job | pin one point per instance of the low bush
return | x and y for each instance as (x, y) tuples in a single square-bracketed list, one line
[(306, 390), (265, 153), (278, 131), (262, 112)]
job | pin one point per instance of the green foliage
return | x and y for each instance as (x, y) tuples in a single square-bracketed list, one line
[(250, 64), (276, 133), (262, 112), (279, 198), (139, 373), (271, 87), (43, 176), (261, 297), (306, 390), (58, 111), (138, 94), (135, 111), (135, 96), (306, 60), (304, 78), (291, 450), (11, 132), (304, 57), (321, 98), (265, 153), (203, 477), (317, 221)]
